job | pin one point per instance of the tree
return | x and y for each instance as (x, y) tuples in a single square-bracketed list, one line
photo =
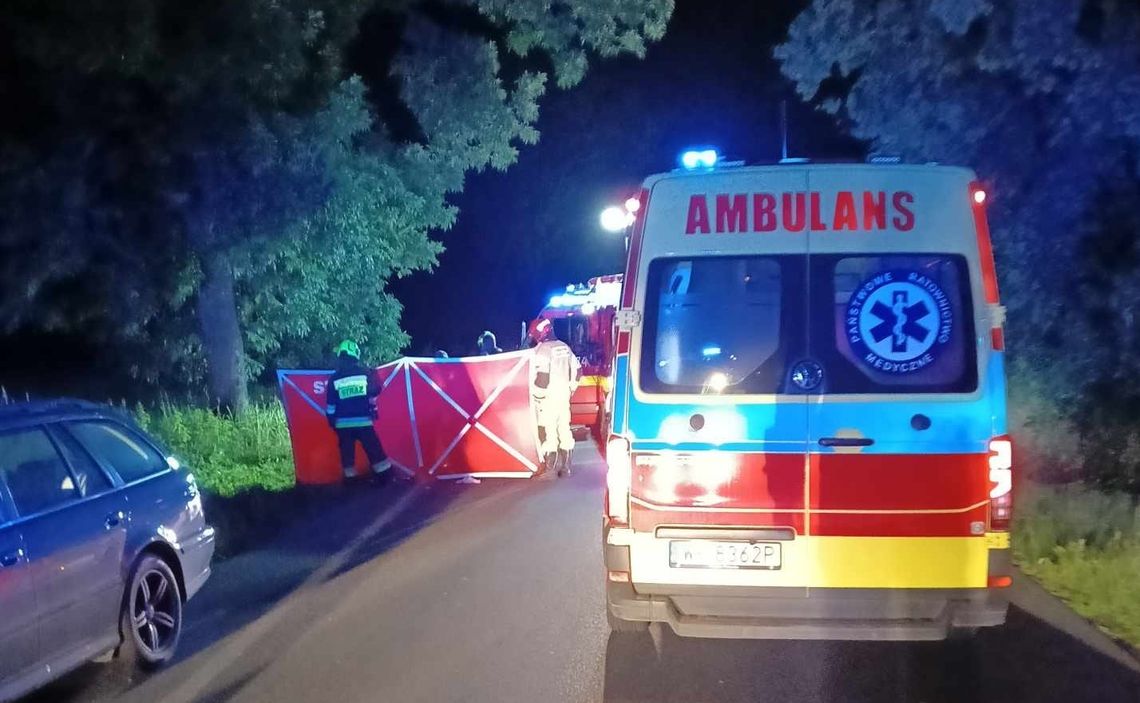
[(1040, 96), (218, 152)]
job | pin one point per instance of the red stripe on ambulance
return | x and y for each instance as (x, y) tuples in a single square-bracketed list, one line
[(857, 495), (898, 481), (645, 519), (853, 524)]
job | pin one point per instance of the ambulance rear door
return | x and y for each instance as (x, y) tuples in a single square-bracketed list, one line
[(898, 422), (718, 436)]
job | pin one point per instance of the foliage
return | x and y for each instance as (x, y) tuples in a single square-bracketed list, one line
[(228, 454), (1099, 585), (564, 29), (1047, 517), (1040, 97), (1085, 547), (195, 179)]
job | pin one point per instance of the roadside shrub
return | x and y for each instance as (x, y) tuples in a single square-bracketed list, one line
[(1084, 546), (1048, 517), (1100, 584), (227, 453)]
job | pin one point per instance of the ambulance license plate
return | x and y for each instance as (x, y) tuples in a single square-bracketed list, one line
[(706, 554)]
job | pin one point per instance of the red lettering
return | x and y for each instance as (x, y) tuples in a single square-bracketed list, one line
[(846, 216), (793, 218), (816, 214), (763, 212), (698, 219), (731, 215), (874, 210), (904, 220)]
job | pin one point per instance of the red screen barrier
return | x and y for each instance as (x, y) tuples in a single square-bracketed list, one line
[(442, 418)]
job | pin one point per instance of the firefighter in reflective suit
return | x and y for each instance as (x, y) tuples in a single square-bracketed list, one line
[(554, 379), (351, 410)]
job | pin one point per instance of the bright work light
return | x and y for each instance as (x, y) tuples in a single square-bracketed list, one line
[(615, 219)]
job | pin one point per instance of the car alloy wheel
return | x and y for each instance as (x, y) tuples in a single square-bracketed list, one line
[(152, 617)]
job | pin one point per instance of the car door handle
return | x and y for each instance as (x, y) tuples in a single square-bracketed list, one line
[(845, 441), (11, 558), (114, 519)]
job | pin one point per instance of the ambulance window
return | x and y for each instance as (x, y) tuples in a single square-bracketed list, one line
[(717, 316), (898, 323)]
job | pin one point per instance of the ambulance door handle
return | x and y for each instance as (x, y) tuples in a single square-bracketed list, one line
[(845, 441)]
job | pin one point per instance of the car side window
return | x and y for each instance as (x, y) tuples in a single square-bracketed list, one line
[(35, 473), (89, 478), (122, 449)]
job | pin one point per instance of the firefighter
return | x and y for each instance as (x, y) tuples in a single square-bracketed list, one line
[(351, 409), (553, 380), (488, 344)]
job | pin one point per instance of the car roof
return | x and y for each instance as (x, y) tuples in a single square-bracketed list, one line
[(37, 411)]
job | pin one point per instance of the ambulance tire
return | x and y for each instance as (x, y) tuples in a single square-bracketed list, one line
[(625, 627)]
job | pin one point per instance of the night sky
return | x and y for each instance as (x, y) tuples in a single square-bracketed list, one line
[(524, 234)]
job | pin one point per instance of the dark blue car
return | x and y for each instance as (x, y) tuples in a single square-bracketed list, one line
[(102, 541)]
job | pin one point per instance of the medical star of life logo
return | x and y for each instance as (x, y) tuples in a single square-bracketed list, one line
[(898, 321)]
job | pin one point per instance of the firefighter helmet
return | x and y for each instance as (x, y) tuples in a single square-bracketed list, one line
[(349, 348), (541, 330)]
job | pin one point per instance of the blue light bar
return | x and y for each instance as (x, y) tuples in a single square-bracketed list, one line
[(710, 351), (699, 158)]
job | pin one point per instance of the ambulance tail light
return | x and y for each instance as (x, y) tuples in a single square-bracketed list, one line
[(1001, 483), (618, 472), (978, 199)]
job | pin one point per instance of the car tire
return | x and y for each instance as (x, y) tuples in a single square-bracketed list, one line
[(150, 621), (630, 627)]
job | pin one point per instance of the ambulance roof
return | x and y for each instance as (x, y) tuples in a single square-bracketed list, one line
[(809, 167)]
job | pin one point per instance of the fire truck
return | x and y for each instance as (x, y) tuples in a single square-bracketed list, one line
[(583, 317)]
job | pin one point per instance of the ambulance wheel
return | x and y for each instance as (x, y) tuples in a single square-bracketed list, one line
[(629, 627)]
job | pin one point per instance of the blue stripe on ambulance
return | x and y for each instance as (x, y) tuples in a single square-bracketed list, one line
[(956, 426), (620, 391)]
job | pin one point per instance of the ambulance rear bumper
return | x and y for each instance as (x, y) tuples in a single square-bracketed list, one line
[(821, 614), (802, 613)]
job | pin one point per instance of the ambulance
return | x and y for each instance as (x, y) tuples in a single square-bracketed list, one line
[(806, 437)]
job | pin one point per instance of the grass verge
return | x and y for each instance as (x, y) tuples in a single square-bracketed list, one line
[(1084, 546), (227, 453), (244, 466)]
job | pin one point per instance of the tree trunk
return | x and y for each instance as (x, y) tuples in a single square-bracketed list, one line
[(221, 334)]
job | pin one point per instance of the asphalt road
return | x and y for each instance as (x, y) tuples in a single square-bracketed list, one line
[(494, 593)]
